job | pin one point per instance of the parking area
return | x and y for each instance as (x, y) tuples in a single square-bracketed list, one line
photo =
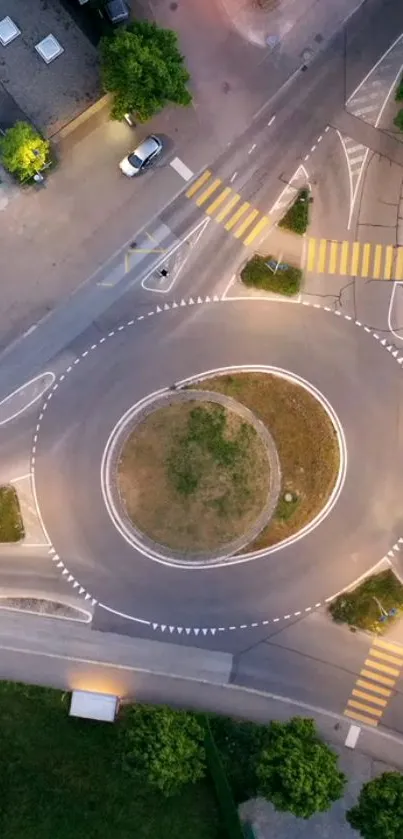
[(51, 91)]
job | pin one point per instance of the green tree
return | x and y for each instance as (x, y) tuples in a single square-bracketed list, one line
[(379, 812), (143, 69), (162, 747), (398, 120), (297, 772), (23, 151)]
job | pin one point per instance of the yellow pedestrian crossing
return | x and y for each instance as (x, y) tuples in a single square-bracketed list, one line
[(322, 256), (356, 259), (239, 218), (369, 697)]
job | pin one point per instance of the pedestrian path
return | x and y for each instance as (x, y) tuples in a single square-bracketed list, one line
[(226, 207), (356, 259), (374, 686)]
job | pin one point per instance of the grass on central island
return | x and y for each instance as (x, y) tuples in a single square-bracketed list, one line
[(62, 779), (11, 526), (363, 607), (194, 476)]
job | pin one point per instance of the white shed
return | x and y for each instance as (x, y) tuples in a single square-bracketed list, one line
[(94, 706)]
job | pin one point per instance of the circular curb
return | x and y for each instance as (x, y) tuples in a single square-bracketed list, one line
[(115, 504), (381, 337)]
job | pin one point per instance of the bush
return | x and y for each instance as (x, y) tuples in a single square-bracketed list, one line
[(142, 67), (297, 217), (239, 745), (398, 120), (399, 91), (297, 772), (23, 151), (379, 812), (163, 747), (363, 606), (258, 273)]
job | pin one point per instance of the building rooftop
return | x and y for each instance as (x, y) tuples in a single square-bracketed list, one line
[(46, 63)]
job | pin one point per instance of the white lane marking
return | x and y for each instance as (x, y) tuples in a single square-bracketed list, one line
[(20, 478), (252, 148), (271, 120), (32, 402), (199, 230), (352, 736), (373, 68), (233, 177), (181, 168)]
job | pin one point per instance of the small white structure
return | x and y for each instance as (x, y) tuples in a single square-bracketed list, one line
[(94, 706), (8, 31), (49, 48)]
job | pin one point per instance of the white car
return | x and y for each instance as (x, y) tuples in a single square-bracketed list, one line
[(141, 158)]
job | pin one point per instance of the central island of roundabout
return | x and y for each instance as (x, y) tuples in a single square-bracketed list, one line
[(221, 466)]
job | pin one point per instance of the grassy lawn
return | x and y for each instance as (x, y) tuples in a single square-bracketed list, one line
[(194, 477), (296, 218), (62, 779), (258, 274), (11, 526), (363, 606), (306, 444)]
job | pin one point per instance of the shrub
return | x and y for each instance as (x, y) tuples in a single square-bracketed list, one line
[(261, 272), (363, 607), (23, 151), (297, 216), (379, 812), (398, 120), (399, 91)]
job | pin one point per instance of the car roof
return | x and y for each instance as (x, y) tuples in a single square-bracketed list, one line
[(147, 147)]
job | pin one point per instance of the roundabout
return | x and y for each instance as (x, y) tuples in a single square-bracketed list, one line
[(142, 358)]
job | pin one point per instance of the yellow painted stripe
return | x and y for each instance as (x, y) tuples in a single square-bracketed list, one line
[(228, 207), (245, 224), (360, 717), (388, 262), (384, 668), (362, 683), (377, 678), (385, 657), (197, 184), (256, 230), (334, 248), (377, 262), (207, 192), (322, 256), (355, 258), (361, 707), (375, 699), (388, 645), (310, 260), (399, 264), (344, 258), (232, 222), (365, 260), (218, 201)]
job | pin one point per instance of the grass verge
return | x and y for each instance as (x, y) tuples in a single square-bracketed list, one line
[(261, 272), (296, 218), (194, 476), (306, 444), (366, 605), (63, 779), (11, 526)]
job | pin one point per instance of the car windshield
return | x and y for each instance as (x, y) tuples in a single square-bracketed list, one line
[(135, 161)]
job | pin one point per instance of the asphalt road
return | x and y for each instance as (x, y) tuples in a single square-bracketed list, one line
[(359, 377)]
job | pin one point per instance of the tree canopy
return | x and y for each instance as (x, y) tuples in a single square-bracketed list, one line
[(297, 772), (379, 811), (142, 67), (163, 747), (23, 151)]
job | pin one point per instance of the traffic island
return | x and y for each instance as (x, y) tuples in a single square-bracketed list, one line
[(11, 525), (199, 475), (306, 442), (373, 605), (270, 274)]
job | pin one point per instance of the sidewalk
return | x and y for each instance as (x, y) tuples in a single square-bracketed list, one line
[(271, 22)]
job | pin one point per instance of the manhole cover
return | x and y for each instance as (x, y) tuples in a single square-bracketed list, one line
[(318, 38)]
